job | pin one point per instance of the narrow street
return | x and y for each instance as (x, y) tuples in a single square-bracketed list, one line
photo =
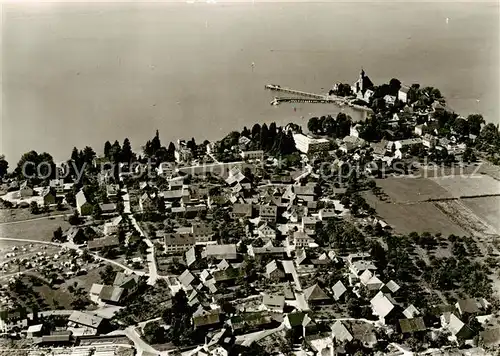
[(151, 258), (140, 345)]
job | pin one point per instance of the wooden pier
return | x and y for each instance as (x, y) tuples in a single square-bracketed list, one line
[(296, 92), (279, 100)]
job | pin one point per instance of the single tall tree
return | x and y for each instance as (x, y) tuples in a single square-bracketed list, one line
[(475, 121), (88, 154), (126, 155), (155, 142), (115, 151), (255, 131), (313, 125), (107, 149), (4, 165)]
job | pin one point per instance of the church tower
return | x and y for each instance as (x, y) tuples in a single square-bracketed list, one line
[(361, 80)]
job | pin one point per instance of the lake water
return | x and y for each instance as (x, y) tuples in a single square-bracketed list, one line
[(76, 75)]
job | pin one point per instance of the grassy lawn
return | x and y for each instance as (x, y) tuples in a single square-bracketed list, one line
[(41, 230), (86, 281), (46, 297), (54, 298)]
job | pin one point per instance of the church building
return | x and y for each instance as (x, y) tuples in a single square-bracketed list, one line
[(362, 85)]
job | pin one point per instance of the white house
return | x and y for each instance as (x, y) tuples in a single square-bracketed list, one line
[(403, 93), (82, 205), (419, 130), (266, 233), (165, 170), (368, 94), (301, 239), (111, 227), (306, 144), (25, 190), (354, 130), (389, 99), (183, 154), (407, 143), (382, 305), (429, 141), (252, 155)]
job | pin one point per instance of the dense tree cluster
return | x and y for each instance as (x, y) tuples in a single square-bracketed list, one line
[(179, 318), (341, 89), (340, 235), (327, 125), (154, 150), (387, 89), (4, 166), (272, 139), (459, 272), (107, 275), (33, 165), (489, 141)]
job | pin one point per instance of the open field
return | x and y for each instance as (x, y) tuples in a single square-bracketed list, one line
[(488, 208), (406, 207), (419, 217), (490, 169), (85, 281), (21, 214), (54, 298), (406, 189), (467, 218), (482, 167), (7, 247), (466, 186), (433, 171), (40, 229)]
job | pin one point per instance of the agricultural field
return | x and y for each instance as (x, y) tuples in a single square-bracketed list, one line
[(419, 217), (490, 169), (407, 189), (38, 229), (433, 171), (469, 217), (469, 186), (403, 202), (21, 214), (488, 208)]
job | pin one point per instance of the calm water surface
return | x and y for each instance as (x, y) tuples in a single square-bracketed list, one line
[(76, 75)]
